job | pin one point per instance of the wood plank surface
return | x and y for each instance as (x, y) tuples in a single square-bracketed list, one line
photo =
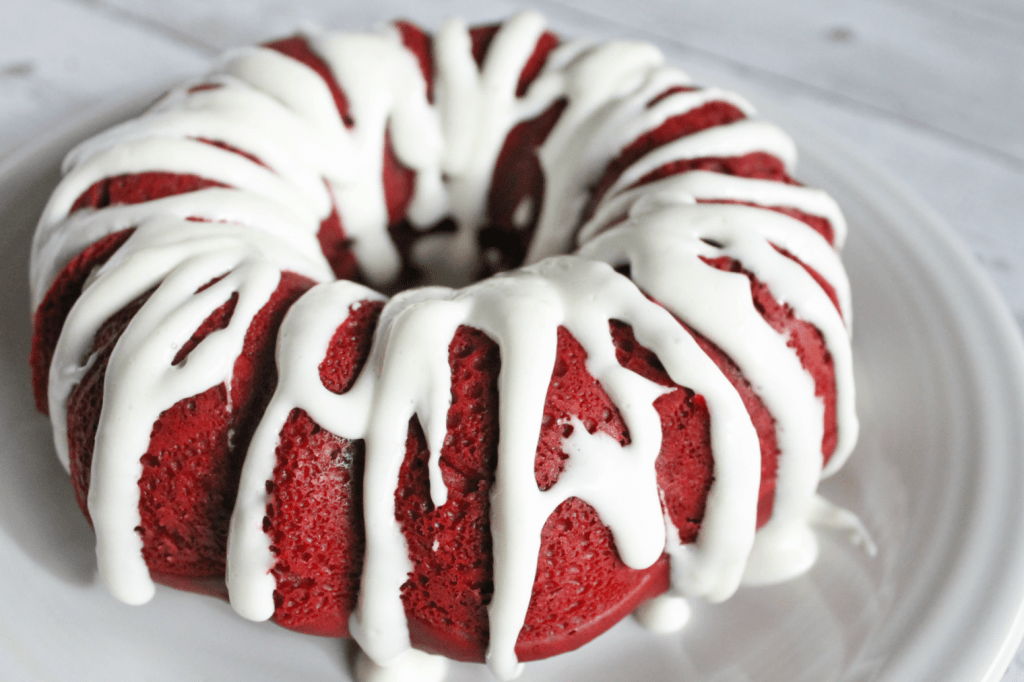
[(931, 89), (57, 58)]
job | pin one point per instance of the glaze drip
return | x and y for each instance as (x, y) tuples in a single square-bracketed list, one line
[(303, 160)]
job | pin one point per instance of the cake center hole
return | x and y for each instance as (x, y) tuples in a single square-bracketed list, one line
[(445, 255)]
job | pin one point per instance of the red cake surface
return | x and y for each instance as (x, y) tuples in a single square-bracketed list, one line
[(314, 514), (191, 469), (319, 550)]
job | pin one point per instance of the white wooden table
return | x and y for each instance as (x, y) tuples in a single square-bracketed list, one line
[(932, 90)]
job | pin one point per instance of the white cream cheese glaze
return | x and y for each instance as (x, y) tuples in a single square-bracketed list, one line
[(663, 245), (411, 666), (664, 615), (265, 221)]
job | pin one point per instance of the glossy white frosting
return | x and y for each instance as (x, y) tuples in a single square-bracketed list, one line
[(664, 615), (411, 666), (266, 220)]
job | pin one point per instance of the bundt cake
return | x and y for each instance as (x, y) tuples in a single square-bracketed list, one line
[(470, 342)]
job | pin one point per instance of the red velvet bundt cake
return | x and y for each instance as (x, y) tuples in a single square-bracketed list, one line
[(644, 362)]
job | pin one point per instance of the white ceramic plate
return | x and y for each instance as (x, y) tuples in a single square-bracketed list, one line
[(937, 478)]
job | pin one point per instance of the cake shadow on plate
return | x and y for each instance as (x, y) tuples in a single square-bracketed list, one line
[(37, 506)]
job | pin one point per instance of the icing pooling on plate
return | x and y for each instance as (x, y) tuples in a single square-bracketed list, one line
[(266, 221)]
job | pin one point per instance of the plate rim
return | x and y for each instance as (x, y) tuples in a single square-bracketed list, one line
[(857, 169), (1003, 331)]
